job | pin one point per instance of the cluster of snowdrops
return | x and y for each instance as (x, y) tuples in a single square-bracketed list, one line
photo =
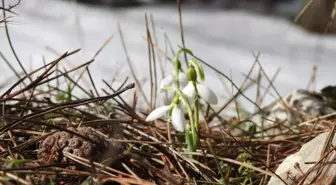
[(189, 93)]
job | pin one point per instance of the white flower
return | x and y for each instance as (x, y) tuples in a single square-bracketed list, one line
[(206, 94), (170, 80), (158, 113), (178, 119)]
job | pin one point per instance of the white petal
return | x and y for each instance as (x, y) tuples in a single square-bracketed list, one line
[(183, 79), (167, 81), (189, 91), (178, 119), (183, 106), (158, 113), (207, 94)]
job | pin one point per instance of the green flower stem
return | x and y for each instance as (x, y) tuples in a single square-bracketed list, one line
[(191, 119), (179, 52), (196, 112), (177, 71), (189, 139), (194, 124), (177, 64)]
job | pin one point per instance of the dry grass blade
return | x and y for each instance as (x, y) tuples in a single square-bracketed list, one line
[(94, 57), (63, 106), (9, 38), (257, 159), (131, 67), (38, 112), (155, 43), (35, 82), (242, 88), (231, 161), (9, 9), (151, 66), (302, 181), (317, 16), (65, 74), (15, 178), (230, 80), (105, 169), (312, 82), (122, 180), (181, 29), (269, 86), (272, 85), (10, 65), (306, 7)]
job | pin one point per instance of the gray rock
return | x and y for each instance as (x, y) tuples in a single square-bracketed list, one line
[(287, 112), (295, 166)]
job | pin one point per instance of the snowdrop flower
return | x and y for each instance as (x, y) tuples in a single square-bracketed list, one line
[(170, 80), (204, 92), (177, 115)]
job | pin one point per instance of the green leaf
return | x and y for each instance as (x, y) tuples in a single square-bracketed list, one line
[(52, 182), (12, 163), (69, 97), (88, 181), (144, 147), (189, 139), (61, 97)]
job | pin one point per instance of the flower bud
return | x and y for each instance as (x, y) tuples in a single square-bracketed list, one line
[(192, 75), (177, 65), (176, 100), (198, 67)]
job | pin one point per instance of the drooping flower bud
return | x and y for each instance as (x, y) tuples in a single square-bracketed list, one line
[(191, 74), (198, 67), (176, 100), (177, 65)]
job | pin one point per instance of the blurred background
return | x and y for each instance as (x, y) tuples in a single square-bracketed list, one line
[(225, 33), (315, 18), (285, 8)]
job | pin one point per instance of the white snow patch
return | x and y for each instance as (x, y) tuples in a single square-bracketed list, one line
[(223, 39)]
